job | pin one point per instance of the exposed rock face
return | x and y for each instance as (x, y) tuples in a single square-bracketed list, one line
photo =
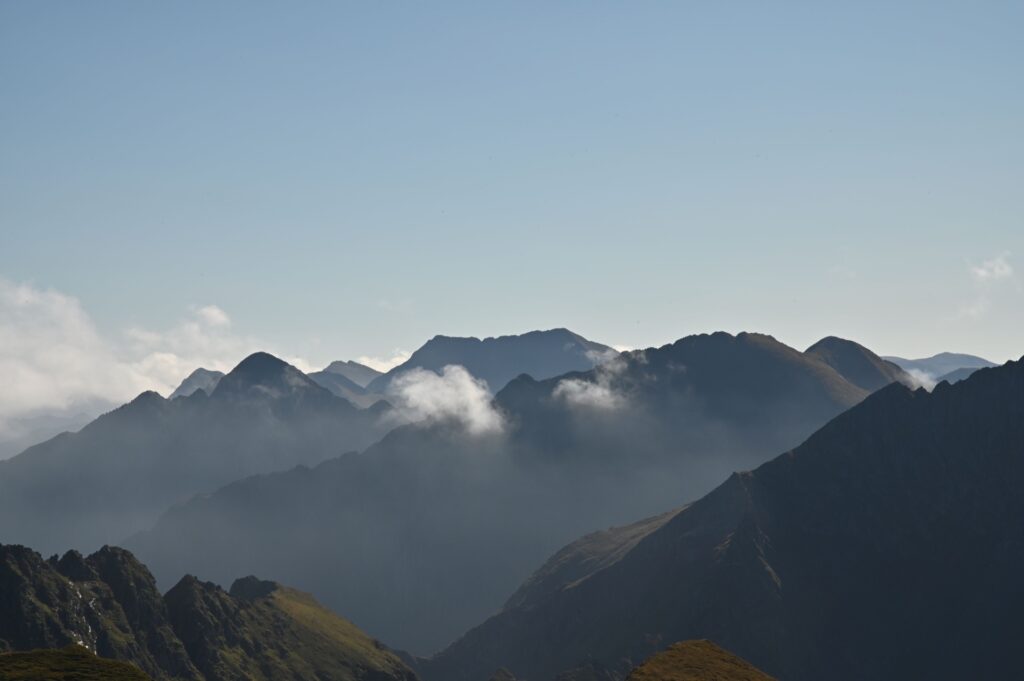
[(108, 603)]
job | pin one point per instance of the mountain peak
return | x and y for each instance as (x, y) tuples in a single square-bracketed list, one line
[(360, 374), (856, 363), (498, 360), (252, 588), (200, 379), (265, 375), (260, 364)]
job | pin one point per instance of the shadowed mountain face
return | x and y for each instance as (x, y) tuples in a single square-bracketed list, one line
[(108, 603), (115, 476), (200, 379), (541, 354), (887, 546), (428, 531)]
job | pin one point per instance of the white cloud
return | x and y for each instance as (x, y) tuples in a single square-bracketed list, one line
[(212, 315), (586, 394), (454, 395), (921, 379), (53, 358), (385, 364), (597, 393), (993, 270)]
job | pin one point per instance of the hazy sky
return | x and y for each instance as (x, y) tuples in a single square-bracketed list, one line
[(184, 181)]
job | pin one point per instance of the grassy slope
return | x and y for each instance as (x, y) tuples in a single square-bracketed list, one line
[(290, 635), (73, 663), (696, 661)]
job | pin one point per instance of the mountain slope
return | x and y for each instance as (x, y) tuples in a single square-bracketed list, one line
[(857, 364), (72, 663), (262, 631), (873, 550), (427, 532), (200, 379), (116, 475), (541, 354), (108, 604), (696, 661)]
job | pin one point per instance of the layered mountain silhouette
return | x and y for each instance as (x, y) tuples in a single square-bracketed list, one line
[(360, 374), (108, 604), (427, 532), (346, 388), (496, 361), (887, 546), (956, 375), (937, 366), (200, 379), (115, 476)]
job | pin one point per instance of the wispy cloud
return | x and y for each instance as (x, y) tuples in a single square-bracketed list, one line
[(597, 393), (993, 270), (990, 278)]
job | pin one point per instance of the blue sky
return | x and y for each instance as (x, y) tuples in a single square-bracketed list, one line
[(349, 179)]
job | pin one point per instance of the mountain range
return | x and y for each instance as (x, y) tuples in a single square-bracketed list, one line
[(945, 366), (425, 533), (885, 546), (496, 361), (108, 604), (119, 473)]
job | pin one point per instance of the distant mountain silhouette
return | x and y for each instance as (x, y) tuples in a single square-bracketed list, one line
[(360, 374), (887, 546), (956, 375), (20, 433), (857, 364), (540, 354), (109, 604), (428, 531), (942, 363), (115, 476), (200, 379), (346, 388)]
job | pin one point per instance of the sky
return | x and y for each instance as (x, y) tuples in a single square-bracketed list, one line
[(182, 183)]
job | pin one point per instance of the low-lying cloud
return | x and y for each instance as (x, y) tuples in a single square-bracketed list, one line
[(454, 395), (598, 393)]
